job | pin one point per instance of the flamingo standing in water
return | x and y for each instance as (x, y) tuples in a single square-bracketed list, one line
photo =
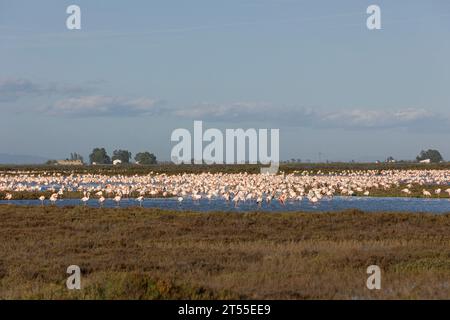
[(282, 199), (85, 199), (8, 197), (236, 200), (101, 200), (117, 199), (53, 198), (140, 199), (42, 198)]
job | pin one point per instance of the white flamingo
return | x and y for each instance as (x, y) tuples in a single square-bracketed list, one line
[(101, 200), (53, 198), (8, 197), (117, 199), (85, 199), (140, 199), (426, 193)]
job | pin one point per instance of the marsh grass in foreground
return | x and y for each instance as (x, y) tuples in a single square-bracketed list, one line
[(153, 254)]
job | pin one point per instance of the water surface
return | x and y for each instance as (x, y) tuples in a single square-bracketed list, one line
[(371, 204)]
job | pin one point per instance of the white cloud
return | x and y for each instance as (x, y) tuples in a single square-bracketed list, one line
[(97, 105), (407, 118), (74, 101), (12, 89)]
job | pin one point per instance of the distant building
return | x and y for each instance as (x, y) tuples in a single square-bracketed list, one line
[(116, 162), (69, 162), (425, 161)]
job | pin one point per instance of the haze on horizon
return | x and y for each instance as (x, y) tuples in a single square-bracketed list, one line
[(137, 71)]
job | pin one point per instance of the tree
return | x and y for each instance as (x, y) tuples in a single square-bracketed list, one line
[(76, 156), (99, 156), (434, 156), (122, 155), (390, 159), (145, 158)]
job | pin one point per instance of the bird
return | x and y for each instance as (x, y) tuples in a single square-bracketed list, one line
[(314, 199), (406, 190), (426, 193), (85, 199), (42, 198), (101, 200), (8, 196), (53, 198), (140, 199), (236, 200), (180, 199), (117, 199), (282, 199)]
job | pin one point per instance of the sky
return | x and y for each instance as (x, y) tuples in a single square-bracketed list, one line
[(137, 70)]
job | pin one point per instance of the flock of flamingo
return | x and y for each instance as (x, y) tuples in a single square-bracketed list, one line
[(236, 188)]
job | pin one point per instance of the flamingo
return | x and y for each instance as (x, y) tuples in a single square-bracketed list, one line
[(282, 199), (140, 199), (314, 199), (241, 186), (236, 200), (101, 200), (259, 201), (406, 191), (117, 199), (53, 198), (42, 198), (85, 199), (8, 197), (426, 193)]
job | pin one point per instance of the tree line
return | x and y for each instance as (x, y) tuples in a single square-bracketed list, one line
[(100, 156)]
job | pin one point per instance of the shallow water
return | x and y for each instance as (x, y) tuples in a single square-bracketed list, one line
[(371, 204)]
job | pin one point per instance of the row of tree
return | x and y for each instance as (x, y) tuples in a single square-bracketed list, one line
[(433, 155), (100, 156)]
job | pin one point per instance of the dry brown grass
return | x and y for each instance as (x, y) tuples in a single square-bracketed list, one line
[(152, 254)]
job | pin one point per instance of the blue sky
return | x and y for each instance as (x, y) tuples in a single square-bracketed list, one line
[(139, 69)]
